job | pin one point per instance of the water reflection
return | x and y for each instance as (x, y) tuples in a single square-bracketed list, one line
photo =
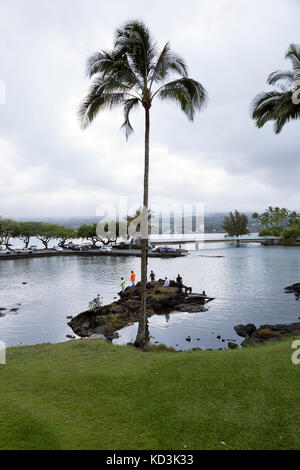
[(248, 284)]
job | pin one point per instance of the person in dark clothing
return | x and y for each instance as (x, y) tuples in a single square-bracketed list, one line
[(179, 283), (152, 276), (181, 286)]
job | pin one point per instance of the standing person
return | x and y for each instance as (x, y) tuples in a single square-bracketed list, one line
[(132, 279), (179, 282), (181, 286), (123, 285), (167, 282), (152, 276)]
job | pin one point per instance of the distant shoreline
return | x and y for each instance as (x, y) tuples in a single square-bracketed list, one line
[(115, 252)]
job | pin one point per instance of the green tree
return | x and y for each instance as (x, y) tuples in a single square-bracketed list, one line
[(2, 224), (126, 76), (89, 232), (9, 229), (282, 103), (235, 225), (291, 235), (270, 232), (275, 219), (26, 230), (46, 232), (105, 232), (63, 234), (293, 218)]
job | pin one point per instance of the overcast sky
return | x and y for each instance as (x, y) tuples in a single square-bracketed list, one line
[(49, 167)]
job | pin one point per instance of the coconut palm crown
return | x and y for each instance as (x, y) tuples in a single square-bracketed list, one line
[(282, 103), (126, 76), (133, 74)]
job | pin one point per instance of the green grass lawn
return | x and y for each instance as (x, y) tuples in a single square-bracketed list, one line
[(89, 394)]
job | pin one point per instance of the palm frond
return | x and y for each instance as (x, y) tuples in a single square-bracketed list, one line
[(283, 79), (264, 107), (293, 53), (274, 106), (128, 106), (111, 64), (100, 62), (101, 96), (286, 110), (188, 93), (167, 62), (279, 105), (135, 40)]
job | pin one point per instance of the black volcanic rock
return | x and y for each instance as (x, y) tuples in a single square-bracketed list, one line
[(266, 332), (295, 289), (126, 310), (245, 330)]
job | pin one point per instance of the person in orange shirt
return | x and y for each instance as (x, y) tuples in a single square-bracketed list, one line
[(132, 279)]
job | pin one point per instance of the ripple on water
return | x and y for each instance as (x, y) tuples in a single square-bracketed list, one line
[(247, 284)]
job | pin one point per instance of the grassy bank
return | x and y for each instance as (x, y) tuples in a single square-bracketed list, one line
[(89, 394)]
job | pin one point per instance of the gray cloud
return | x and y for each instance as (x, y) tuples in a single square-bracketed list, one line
[(50, 167)]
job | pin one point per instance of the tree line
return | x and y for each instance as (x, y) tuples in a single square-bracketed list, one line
[(277, 222), (103, 233)]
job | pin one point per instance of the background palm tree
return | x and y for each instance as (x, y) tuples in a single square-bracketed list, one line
[(278, 105), (136, 218), (126, 76)]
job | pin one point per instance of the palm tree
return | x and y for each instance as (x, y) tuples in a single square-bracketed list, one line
[(136, 218), (281, 104), (126, 76)]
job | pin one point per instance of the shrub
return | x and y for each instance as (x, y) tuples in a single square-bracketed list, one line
[(159, 348), (291, 235), (96, 302), (270, 232), (266, 334)]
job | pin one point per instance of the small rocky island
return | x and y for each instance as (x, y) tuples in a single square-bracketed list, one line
[(294, 289), (108, 319)]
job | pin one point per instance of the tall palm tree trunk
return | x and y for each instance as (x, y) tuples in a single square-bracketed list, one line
[(143, 334)]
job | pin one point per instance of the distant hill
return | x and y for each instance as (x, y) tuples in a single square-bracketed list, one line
[(212, 222), (73, 222)]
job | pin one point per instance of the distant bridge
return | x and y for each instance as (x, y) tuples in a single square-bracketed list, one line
[(198, 241)]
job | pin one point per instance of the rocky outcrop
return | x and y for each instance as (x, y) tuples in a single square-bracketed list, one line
[(295, 289), (265, 333), (108, 319), (245, 330)]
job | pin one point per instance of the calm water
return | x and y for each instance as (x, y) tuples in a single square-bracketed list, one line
[(247, 282)]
